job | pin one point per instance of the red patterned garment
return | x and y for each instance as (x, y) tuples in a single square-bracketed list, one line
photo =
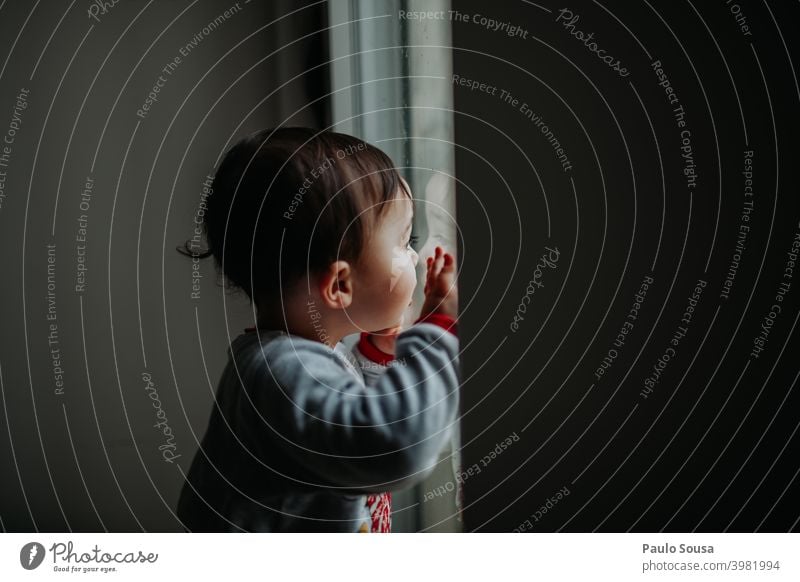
[(380, 510), (380, 504)]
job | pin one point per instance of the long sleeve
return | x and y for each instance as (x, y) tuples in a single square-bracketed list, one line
[(382, 438), (372, 362)]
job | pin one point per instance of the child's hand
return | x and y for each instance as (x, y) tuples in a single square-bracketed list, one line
[(441, 295)]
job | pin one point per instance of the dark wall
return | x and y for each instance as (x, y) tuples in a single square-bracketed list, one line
[(83, 447), (624, 418)]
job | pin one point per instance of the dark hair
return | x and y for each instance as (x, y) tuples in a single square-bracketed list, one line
[(325, 190)]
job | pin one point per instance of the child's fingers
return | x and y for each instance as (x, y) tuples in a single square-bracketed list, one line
[(449, 263), (429, 275), (433, 272), (431, 261), (438, 262), (444, 268)]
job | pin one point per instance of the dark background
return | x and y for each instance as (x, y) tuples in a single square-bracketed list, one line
[(88, 459), (714, 446)]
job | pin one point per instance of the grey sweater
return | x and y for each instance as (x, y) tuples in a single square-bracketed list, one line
[(300, 433)]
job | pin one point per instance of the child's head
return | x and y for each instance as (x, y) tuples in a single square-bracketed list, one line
[(322, 214)]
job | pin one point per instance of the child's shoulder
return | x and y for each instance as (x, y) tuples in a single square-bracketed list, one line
[(273, 343), (286, 353)]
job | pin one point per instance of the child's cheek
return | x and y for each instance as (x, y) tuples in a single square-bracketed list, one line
[(403, 272)]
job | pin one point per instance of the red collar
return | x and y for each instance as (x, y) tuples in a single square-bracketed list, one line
[(371, 351)]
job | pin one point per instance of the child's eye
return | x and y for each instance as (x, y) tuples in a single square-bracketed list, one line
[(412, 241)]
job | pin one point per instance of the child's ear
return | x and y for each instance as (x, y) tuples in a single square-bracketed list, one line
[(336, 285)]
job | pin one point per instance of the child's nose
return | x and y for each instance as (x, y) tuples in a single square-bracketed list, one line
[(414, 257)]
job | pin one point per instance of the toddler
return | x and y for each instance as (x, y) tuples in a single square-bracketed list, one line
[(306, 434)]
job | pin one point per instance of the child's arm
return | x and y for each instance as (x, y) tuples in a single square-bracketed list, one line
[(368, 439), (380, 438), (373, 356)]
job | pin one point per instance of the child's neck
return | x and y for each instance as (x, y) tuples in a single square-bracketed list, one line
[(302, 316)]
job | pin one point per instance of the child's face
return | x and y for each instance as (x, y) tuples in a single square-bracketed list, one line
[(386, 275)]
